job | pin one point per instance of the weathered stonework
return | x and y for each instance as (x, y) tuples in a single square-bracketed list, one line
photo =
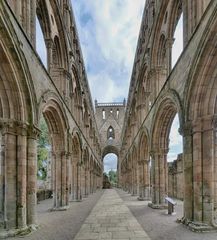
[(176, 178), (110, 119), (61, 94), (157, 92), (80, 137)]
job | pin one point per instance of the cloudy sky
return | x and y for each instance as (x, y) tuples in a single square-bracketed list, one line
[(108, 32)]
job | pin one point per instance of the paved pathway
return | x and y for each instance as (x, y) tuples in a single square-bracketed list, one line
[(160, 226), (111, 219), (63, 225)]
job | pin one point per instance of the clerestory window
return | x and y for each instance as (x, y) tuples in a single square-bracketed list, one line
[(110, 133)]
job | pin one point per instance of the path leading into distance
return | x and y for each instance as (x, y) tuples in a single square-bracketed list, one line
[(111, 219)]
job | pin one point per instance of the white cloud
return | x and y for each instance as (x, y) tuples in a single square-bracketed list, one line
[(178, 43), (108, 32), (40, 44), (110, 162), (175, 141)]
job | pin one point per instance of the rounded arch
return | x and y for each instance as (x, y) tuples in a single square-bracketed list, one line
[(144, 131), (76, 142), (56, 125), (165, 113), (166, 109), (110, 149), (52, 99), (17, 92), (12, 100), (162, 124)]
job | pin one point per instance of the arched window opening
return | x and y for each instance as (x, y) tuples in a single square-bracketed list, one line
[(177, 47), (175, 162), (103, 114), (110, 133), (110, 177), (57, 60), (40, 43), (117, 113), (44, 157), (175, 140)]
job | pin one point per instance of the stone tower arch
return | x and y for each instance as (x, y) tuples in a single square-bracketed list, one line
[(110, 119)]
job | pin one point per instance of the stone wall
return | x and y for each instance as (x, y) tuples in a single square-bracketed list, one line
[(176, 178)]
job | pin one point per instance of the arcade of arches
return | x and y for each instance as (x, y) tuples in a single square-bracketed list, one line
[(136, 131)]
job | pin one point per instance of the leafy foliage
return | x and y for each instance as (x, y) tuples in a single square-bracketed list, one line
[(43, 150), (112, 176)]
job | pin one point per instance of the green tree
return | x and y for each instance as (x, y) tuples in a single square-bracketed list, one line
[(112, 176), (43, 150)]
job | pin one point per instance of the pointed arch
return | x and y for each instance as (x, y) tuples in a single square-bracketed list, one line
[(110, 133)]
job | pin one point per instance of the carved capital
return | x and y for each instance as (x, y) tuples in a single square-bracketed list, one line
[(186, 129), (33, 132), (13, 127)]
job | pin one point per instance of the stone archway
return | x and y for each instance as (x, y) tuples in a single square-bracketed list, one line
[(165, 114), (143, 167), (199, 134), (18, 142), (56, 122)]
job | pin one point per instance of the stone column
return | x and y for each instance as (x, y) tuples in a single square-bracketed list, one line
[(85, 181), (59, 180), (141, 180), (21, 175), (169, 46), (159, 178), (134, 186), (14, 174), (9, 175), (146, 180), (78, 180), (91, 179), (64, 177), (33, 22), (73, 180), (56, 178), (33, 134), (199, 174), (49, 45), (186, 132)]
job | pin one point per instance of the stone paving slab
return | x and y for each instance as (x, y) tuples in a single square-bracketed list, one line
[(158, 224), (111, 219), (62, 225)]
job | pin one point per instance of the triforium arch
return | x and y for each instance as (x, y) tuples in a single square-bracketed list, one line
[(165, 113), (199, 132), (163, 39)]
